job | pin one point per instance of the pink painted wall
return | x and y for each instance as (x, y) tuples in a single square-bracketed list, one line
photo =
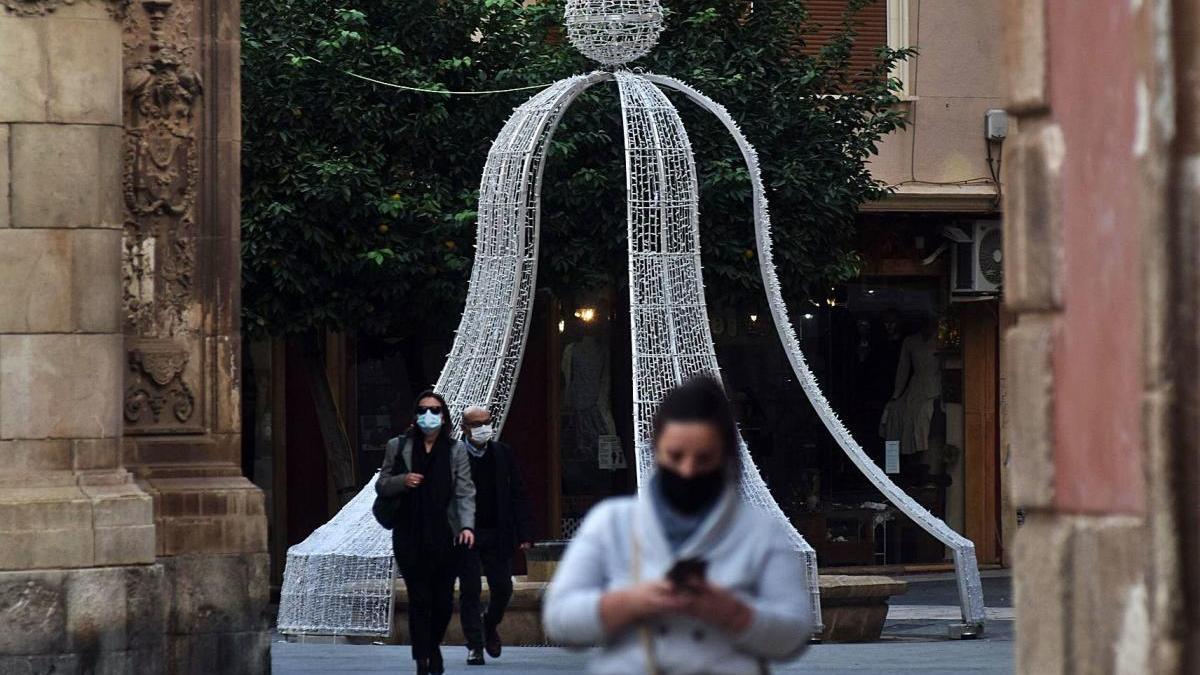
[(1098, 351)]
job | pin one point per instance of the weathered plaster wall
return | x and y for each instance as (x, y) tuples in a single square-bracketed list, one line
[(1100, 256), (954, 79), (1097, 364)]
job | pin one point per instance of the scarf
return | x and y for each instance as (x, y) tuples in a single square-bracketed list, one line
[(428, 532), (474, 451), (677, 527)]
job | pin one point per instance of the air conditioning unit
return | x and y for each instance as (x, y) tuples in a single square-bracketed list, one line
[(977, 268)]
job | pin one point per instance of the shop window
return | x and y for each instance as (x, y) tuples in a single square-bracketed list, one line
[(888, 354)]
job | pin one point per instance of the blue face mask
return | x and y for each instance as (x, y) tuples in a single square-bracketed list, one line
[(429, 422)]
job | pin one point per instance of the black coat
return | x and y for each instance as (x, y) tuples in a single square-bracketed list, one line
[(514, 524)]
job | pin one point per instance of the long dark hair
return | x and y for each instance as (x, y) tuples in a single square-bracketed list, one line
[(429, 393), (701, 399)]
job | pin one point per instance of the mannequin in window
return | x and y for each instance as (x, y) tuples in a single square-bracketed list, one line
[(884, 364), (918, 387), (585, 405)]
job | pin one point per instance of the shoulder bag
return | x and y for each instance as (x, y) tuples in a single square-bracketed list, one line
[(386, 509)]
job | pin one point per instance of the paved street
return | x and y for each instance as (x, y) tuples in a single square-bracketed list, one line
[(914, 642)]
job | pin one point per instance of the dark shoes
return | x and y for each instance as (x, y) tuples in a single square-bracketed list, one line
[(475, 658), (492, 641)]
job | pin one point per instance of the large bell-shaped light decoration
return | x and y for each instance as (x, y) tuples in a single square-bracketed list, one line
[(340, 580)]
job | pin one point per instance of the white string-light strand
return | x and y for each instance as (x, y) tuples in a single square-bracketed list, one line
[(422, 90), (339, 581), (669, 324), (970, 587)]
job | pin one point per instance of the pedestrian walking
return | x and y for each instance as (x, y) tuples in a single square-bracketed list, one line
[(687, 578), (502, 524), (428, 476)]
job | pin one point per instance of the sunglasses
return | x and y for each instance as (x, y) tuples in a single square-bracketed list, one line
[(435, 409)]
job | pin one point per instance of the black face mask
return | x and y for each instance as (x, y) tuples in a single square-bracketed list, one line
[(691, 495)]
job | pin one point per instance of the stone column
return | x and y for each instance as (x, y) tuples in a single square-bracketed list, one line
[(182, 409), (79, 582)]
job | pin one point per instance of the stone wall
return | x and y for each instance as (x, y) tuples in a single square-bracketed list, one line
[(132, 541), (79, 583), (1096, 367)]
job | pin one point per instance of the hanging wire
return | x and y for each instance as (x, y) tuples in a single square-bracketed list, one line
[(422, 90)]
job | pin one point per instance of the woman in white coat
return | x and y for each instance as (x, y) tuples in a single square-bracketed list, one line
[(686, 579)]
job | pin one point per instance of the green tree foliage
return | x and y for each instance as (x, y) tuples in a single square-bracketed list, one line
[(359, 200)]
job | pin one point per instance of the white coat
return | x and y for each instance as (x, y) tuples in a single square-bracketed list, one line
[(747, 553)]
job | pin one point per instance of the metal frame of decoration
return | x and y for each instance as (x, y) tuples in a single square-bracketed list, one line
[(967, 568), (340, 580)]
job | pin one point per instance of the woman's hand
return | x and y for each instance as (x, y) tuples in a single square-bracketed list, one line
[(412, 480), (717, 606), (621, 608), (466, 538)]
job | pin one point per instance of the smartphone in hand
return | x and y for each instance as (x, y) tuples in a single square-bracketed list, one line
[(688, 573)]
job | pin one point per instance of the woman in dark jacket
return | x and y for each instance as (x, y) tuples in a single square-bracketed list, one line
[(432, 476)]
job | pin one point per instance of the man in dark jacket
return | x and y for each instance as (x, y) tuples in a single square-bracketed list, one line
[(502, 523)]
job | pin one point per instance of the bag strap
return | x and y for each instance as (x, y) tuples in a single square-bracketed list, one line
[(406, 453), (635, 561)]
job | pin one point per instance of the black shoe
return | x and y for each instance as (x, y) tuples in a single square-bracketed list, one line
[(492, 642), (436, 667), (422, 666), (475, 658)]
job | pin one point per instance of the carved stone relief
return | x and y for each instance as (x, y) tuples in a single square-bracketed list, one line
[(156, 393), (162, 98), (161, 168), (33, 7), (43, 7)]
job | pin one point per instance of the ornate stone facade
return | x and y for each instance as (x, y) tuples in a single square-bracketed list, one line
[(157, 393), (132, 542), (181, 267), (163, 93), (44, 7)]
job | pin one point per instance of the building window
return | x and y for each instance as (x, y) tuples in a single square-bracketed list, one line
[(883, 22), (899, 37)]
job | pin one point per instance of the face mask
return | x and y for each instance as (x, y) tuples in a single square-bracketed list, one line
[(691, 495), (482, 434), (429, 422)]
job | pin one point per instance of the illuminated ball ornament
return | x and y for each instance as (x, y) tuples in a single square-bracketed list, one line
[(614, 32)]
